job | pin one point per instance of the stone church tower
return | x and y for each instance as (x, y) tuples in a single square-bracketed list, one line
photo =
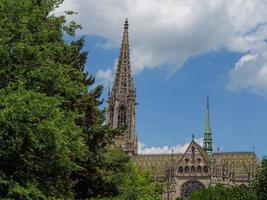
[(122, 99)]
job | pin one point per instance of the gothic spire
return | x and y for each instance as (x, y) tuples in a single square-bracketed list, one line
[(207, 143), (123, 84), (122, 99)]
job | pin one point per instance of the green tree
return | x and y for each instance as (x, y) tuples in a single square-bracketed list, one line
[(132, 183), (220, 192), (37, 140), (54, 143), (139, 185), (107, 171), (33, 51), (260, 181), (40, 78)]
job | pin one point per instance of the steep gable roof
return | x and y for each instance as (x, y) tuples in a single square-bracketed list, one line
[(203, 154)]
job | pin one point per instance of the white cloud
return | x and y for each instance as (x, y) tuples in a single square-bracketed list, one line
[(179, 148), (105, 77), (168, 32), (250, 72)]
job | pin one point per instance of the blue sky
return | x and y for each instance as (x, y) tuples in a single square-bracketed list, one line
[(217, 50), (171, 109)]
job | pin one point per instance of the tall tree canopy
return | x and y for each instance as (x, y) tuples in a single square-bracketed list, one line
[(220, 192), (41, 77), (54, 143), (260, 183)]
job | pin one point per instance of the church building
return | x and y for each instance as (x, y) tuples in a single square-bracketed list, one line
[(180, 174)]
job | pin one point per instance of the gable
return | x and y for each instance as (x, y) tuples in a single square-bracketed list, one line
[(195, 161), (194, 154)]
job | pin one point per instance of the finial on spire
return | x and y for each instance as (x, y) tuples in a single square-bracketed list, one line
[(193, 136), (126, 24), (208, 102)]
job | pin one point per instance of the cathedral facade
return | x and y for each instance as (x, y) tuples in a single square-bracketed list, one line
[(180, 174)]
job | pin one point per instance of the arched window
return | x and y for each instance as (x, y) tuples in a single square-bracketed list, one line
[(193, 170), (122, 116), (180, 169), (205, 169), (186, 169), (199, 169), (189, 187)]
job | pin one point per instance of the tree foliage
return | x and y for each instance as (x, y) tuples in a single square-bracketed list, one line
[(260, 182), (132, 183), (37, 139), (54, 143), (220, 192), (39, 79)]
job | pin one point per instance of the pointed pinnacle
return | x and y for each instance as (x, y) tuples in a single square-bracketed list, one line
[(207, 126), (123, 83)]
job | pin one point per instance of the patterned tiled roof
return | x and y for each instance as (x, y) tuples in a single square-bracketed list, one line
[(242, 163), (157, 163)]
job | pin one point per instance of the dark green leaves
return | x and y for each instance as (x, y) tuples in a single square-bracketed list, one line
[(260, 182), (37, 139), (53, 141)]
